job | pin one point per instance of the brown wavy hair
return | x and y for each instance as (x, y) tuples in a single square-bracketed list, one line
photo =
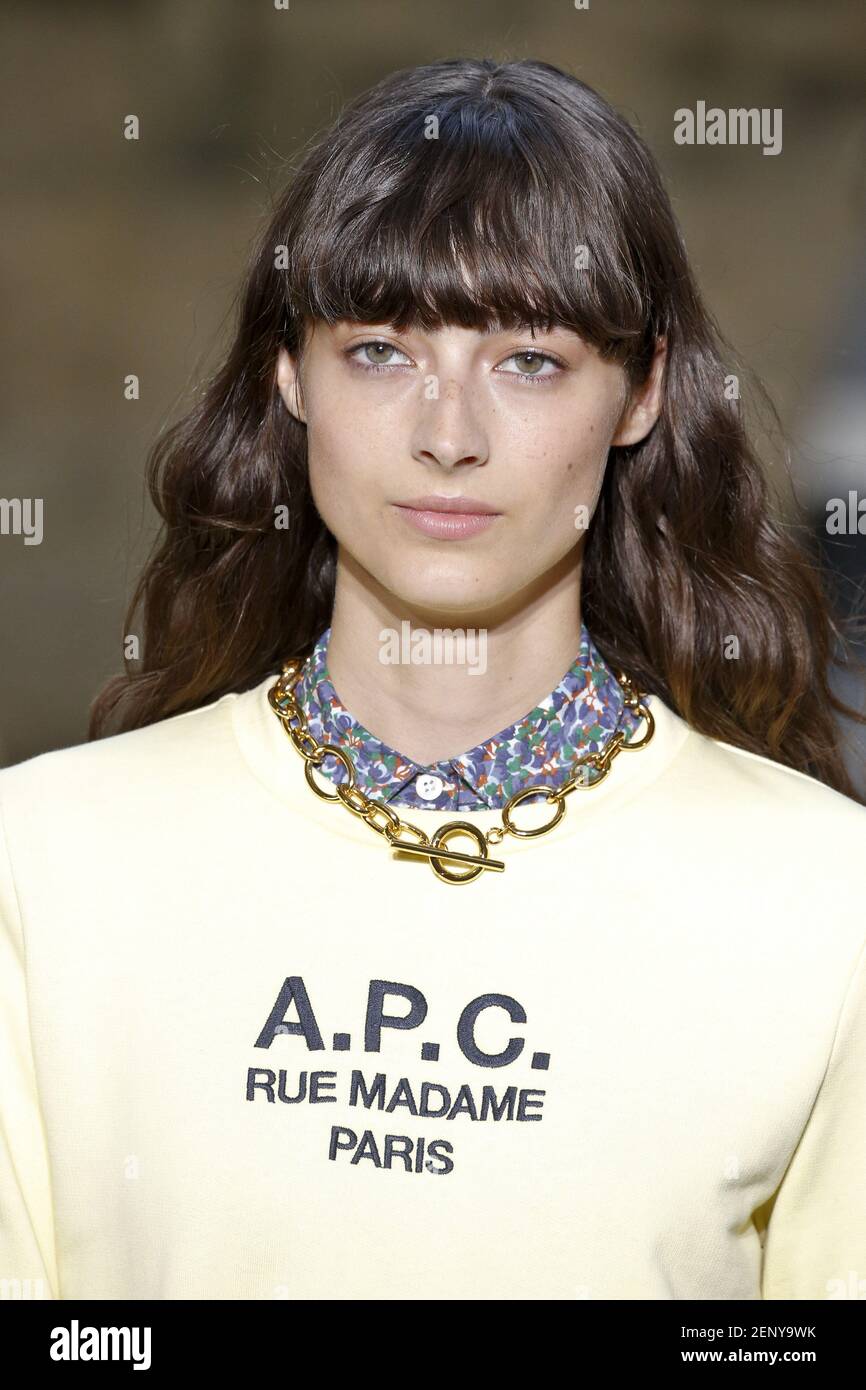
[(460, 192)]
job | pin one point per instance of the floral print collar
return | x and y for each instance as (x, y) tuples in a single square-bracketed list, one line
[(576, 718)]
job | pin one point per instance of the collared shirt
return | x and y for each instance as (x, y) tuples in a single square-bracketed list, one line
[(578, 717)]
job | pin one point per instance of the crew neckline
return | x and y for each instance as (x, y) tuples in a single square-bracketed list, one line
[(275, 763)]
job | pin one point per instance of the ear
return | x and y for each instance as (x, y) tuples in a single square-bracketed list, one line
[(289, 385), (644, 405)]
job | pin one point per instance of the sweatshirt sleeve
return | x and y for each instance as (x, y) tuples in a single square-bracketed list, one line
[(28, 1267), (815, 1243)]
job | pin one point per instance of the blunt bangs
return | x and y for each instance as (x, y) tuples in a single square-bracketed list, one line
[(499, 222)]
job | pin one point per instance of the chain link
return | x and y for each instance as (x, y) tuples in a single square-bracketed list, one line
[(384, 821)]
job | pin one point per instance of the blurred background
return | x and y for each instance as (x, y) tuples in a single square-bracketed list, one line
[(125, 256)]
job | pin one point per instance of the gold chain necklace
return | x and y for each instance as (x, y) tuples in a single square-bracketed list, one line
[(384, 821)]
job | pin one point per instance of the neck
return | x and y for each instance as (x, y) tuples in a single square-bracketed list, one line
[(514, 656)]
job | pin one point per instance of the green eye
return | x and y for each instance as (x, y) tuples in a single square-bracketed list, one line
[(534, 360), (377, 355), (379, 352)]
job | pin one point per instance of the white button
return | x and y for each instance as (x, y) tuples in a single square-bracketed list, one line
[(429, 787)]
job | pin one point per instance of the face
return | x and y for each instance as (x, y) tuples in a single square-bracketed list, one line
[(400, 424)]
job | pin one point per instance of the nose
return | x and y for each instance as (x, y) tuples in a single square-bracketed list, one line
[(447, 430)]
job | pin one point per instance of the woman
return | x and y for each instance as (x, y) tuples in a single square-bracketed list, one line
[(471, 503)]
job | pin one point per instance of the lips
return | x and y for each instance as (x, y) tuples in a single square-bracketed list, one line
[(463, 506), (447, 524)]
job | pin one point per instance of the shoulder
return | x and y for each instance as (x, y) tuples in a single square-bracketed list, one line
[(764, 861), (754, 794), (116, 770)]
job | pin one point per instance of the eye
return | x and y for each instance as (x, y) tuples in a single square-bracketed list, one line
[(377, 355), (534, 362)]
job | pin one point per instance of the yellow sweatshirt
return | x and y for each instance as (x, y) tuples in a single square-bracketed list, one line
[(248, 1052)]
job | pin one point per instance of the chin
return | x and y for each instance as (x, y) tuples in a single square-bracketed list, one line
[(446, 602)]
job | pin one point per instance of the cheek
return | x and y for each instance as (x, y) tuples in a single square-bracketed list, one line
[(348, 426), (341, 455), (564, 455), (348, 463), (328, 473), (567, 455)]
